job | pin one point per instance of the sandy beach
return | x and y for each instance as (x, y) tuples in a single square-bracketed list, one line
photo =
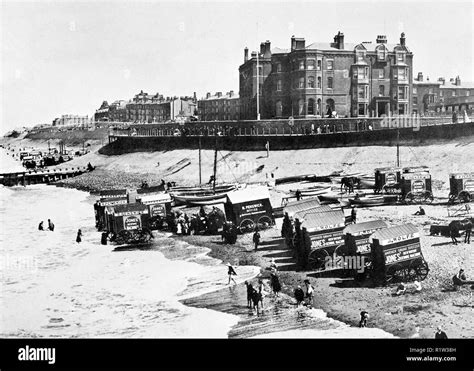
[(436, 305)]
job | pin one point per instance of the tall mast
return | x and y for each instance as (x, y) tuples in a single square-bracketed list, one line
[(215, 166), (398, 147), (200, 180), (258, 81)]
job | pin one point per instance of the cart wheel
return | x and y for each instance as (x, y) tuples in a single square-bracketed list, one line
[(409, 198), (341, 250), (464, 196), (418, 269), (246, 226), (395, 273), (317, 259), (428, 197), (264, 222)]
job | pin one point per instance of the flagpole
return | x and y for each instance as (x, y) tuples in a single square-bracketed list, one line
[(258, 81)]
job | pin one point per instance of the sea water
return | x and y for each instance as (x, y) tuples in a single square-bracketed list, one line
[(52, 286)]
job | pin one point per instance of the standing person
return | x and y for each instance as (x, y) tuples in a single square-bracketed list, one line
[(467, 236), (261, 291), (50, 225), (309, 292), (306, 250), (440, 334), (231, 272), (40, 226), (299, 295), (256, 238), (275, 282), (298, 195), (454, 231), (353, 215), (250, 291), (79, 236), (364, 316), (103, 238)]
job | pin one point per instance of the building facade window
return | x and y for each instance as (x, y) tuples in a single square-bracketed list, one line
[(301, 107), (362, 73), (467, 93), (311, 103), (401, 109), (440, 93), (319, 65), (415, 100), (301, 83), (402, 74), (402, 92), (415, 91), (330, 63), (381, 54), (278, 67), (361, 109), (330, 81), (279, 85), (319, 82), (301, 65), (279, 108), (381, 73), (401, 57), (360, 55), (454, 93), (311, 82), (381, 90), (310, 64)]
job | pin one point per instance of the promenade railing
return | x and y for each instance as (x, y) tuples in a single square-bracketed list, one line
[(277, 127)]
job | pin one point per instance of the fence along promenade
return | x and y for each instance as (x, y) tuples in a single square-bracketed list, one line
[(300, 127)]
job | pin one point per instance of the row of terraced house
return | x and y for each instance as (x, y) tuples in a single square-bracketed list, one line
[(322, 79)]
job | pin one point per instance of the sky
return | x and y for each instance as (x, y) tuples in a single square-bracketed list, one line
[(67, 57)]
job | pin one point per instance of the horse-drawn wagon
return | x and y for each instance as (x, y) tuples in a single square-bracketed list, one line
[(461, 187), (108, 198), (128, 223), (356, 238), (325, 231), (159, 205), (248, 208), (396, 255), (387, 179), (416, 187)]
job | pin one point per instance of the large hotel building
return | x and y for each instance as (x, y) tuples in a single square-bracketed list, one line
[(366, 79)]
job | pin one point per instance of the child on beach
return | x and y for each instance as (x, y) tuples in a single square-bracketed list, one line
[(309, 292), (231, 272), (256, 238), (364, 316), (299, 295)]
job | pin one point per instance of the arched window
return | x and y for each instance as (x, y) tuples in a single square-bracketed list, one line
[(319, 82), (318, 107), (279, 108), (311, 106), (301, 107), (311, 82), (301, 65)]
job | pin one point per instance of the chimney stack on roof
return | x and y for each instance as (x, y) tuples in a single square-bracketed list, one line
[(231, 93), (381, 39), (208, 95), (262, 48), (402, 39), (246, 54), (267, 51), (420, 76), (441, 80), (457, 82), (339, 40), (219, 94)]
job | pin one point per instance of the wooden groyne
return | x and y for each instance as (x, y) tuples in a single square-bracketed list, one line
[(43, 176)]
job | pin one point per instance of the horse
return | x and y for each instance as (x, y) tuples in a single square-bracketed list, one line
[(459, 225), (348, 182)]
